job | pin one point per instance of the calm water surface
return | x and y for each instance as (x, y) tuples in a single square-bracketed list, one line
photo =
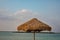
[(28, 36)]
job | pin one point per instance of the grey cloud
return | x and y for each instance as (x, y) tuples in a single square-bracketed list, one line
[(11, 22), (5, 14)]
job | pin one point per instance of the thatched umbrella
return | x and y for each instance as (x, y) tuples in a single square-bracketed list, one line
[(34, 25)]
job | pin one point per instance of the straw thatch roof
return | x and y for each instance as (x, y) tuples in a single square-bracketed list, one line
[(34, 25)]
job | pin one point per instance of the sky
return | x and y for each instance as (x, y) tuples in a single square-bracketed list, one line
[(17, 12)]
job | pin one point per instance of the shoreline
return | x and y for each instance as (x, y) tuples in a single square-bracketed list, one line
[(32, 32)]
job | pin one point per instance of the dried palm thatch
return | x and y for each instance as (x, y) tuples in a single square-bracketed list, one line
[(34, 25)]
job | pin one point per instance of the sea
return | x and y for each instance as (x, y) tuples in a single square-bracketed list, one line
[(10, 35)]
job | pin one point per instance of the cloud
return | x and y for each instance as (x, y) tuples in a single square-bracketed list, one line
[(9, 21), (20, 14), (5, 14), (24, 13), (3, 11), (55, 24)]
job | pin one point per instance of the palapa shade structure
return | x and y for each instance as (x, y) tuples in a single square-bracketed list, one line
[(34, 25)]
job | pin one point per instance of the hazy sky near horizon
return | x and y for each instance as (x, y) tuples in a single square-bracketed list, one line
[(16, 12)]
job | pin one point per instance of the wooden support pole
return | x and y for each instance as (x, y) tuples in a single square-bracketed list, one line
[(34, 35)]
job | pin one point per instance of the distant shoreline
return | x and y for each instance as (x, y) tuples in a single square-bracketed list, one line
[(33, 32)]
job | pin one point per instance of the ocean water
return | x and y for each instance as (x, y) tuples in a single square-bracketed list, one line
[(5, 35)]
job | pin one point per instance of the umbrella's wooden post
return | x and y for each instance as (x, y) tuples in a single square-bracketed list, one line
[(34, 36)]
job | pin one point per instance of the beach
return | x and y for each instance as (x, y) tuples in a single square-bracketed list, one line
[(10, 35)]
